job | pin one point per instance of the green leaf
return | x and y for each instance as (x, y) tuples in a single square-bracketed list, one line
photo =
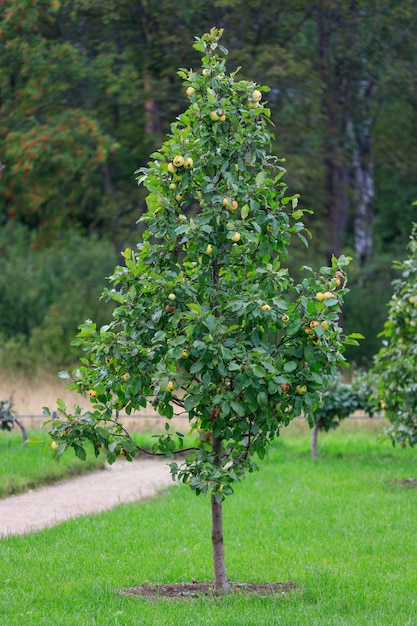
[(244, 212), (80, 452), (290, 366), (259, 371), (196, 367), (260, 177)]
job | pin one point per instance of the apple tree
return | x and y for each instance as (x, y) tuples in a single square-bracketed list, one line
[(209, 324), (338, 402), (395, 364)]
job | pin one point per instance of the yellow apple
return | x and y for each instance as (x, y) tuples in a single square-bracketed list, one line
[(209, 249), (172, 186), (170, 386), (234, 206), (171, 168), (265, 307), (54, 445), (92, 393), (126, 376), (214, 116), (328, 294), (301, 389), (206, 72), (257, 95), (325, 324), (314, 323), (226, 202), (236, 237), (184, 353), (178, 197), (320, 296), (178, 160), (188, 162), (172, 296), (285, 319), (190, 91)]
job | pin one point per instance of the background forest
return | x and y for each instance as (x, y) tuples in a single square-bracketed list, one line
[(88, 89)]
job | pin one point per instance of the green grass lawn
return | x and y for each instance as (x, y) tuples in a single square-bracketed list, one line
[(336, 526), (24, 467)]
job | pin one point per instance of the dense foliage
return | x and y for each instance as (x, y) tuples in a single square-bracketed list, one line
[(88, 89), (209, 322), (396, 363), (44, 295)]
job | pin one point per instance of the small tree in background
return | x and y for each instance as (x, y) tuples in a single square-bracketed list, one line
[(209, 324), (338, 402), (395, 364)]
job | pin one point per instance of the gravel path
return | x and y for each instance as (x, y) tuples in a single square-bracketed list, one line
[(103, 489)]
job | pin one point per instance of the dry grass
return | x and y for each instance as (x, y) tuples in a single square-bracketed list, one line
[(30, 395)]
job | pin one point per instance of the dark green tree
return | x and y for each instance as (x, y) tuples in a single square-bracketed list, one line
[(396, 362), (209, 323)]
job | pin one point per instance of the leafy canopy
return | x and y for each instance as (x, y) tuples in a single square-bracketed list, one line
[(396, 362), (209, 324)]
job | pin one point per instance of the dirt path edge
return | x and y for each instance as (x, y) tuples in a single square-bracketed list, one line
[(119, 483)]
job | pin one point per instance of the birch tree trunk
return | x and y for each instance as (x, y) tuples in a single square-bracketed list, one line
[(363, 174)]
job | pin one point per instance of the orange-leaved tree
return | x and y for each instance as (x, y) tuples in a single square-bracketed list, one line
[(209, 324)]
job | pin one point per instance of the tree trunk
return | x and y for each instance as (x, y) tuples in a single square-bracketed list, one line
[(22, 428), (363, 174), (314, 436), (335, 94), (221, 584)]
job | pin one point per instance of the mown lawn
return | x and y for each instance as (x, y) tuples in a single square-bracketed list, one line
[(25, 467), (340, 527)]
